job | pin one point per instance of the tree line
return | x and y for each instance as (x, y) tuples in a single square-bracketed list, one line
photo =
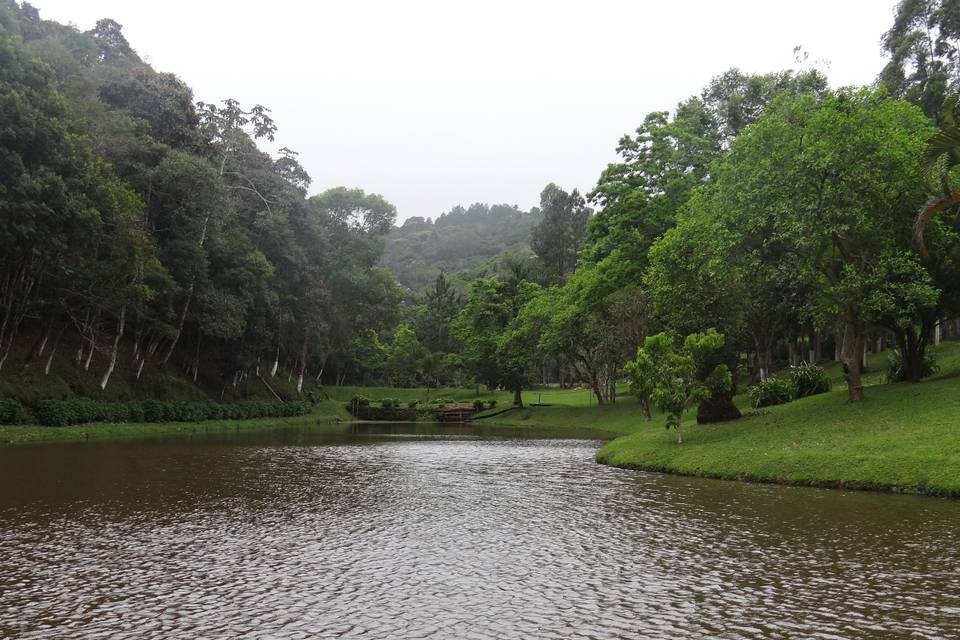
[(793, 220), (767, 220), (141, 227)]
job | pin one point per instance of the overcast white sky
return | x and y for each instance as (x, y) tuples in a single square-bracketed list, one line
[(434, 104)]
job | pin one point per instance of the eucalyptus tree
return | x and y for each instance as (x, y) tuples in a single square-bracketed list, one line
[(557, 238), (924, 49)]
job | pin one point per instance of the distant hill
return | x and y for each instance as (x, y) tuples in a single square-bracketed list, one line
[(463, 243)]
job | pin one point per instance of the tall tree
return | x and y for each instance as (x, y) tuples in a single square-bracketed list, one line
[(556, 239), (924, 49)]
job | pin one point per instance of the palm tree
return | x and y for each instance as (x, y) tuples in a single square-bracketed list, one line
[(939, 158)]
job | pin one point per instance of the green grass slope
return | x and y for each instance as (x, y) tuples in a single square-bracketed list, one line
[(903, 437)]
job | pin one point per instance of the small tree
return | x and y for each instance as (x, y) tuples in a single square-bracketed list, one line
[(642, 374), (670, 375)]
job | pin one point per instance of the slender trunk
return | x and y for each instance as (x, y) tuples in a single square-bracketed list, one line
[(303, 365), (180, 323), (140, 367), (196, 359), (645, 408), (93, 346), (38, 348), (851, 355), (276, 363), (53, 350), (679, 433), (517, 398), (115, 348)]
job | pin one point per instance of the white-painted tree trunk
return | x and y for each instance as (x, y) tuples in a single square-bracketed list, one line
[(121, 323), (93, 346)]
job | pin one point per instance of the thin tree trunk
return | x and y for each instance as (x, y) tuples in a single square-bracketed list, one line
[(180, 323), (93, 346), (53, 350), (303, 365), (517, 397), (196, 358), (121, 324), (851, 354)]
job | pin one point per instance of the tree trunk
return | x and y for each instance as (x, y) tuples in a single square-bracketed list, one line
[(679, 433), (276, 360), (303, 365), (196, 359), (93, 346), (851, 355), (517, 397), (53, 350), (180, 323), (115, 348), (645, 408)]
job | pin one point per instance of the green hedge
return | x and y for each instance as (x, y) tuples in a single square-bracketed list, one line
[(58, 413), (12, 412)]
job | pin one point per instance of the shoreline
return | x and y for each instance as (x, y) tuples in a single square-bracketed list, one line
[(25, 435)]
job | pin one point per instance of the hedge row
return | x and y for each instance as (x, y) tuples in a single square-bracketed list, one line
[(58, 413), (12, 412)]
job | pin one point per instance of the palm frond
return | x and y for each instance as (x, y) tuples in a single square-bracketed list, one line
[(929, 210)]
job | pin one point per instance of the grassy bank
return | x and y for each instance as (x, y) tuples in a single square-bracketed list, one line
[(327, 416), (903, 437)]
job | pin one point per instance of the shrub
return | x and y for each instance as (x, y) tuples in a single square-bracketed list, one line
[(772, 391), (360, 401), (809, 380), (58, 413), (413, 404), (492, 403), (478, 405), (316, 396), (386, 403), (12, 412), (896, 372)]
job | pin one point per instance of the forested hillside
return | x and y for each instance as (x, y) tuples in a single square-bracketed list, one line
[(149, 245), (463, 243)]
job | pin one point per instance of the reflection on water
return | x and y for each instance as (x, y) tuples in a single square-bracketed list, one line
[(382, 535)]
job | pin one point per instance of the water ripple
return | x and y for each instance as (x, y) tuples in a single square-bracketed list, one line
[(452, 539)]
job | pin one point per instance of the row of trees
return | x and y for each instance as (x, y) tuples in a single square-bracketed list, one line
[(138, 226), (771, 209)]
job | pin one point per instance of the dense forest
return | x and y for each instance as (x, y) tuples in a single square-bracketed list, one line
[(767, 220)]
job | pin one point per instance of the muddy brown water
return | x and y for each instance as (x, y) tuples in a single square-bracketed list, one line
[(413, 532)]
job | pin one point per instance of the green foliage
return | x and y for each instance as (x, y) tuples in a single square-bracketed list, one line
[(317, 395), (12, 412), (59, 413), (672, 375), (557, 238), (896, 372), (491, 404), (360, 401), (772, 391), (478, 405), (809, 380)]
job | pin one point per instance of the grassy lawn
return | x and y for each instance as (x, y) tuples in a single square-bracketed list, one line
[(902, 437)]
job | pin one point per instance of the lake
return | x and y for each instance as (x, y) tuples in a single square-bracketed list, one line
[(408, 531)]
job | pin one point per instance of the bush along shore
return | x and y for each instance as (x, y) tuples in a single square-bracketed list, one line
[(77, 420)]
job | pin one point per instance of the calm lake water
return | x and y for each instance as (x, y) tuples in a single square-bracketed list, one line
[(292, 535)]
